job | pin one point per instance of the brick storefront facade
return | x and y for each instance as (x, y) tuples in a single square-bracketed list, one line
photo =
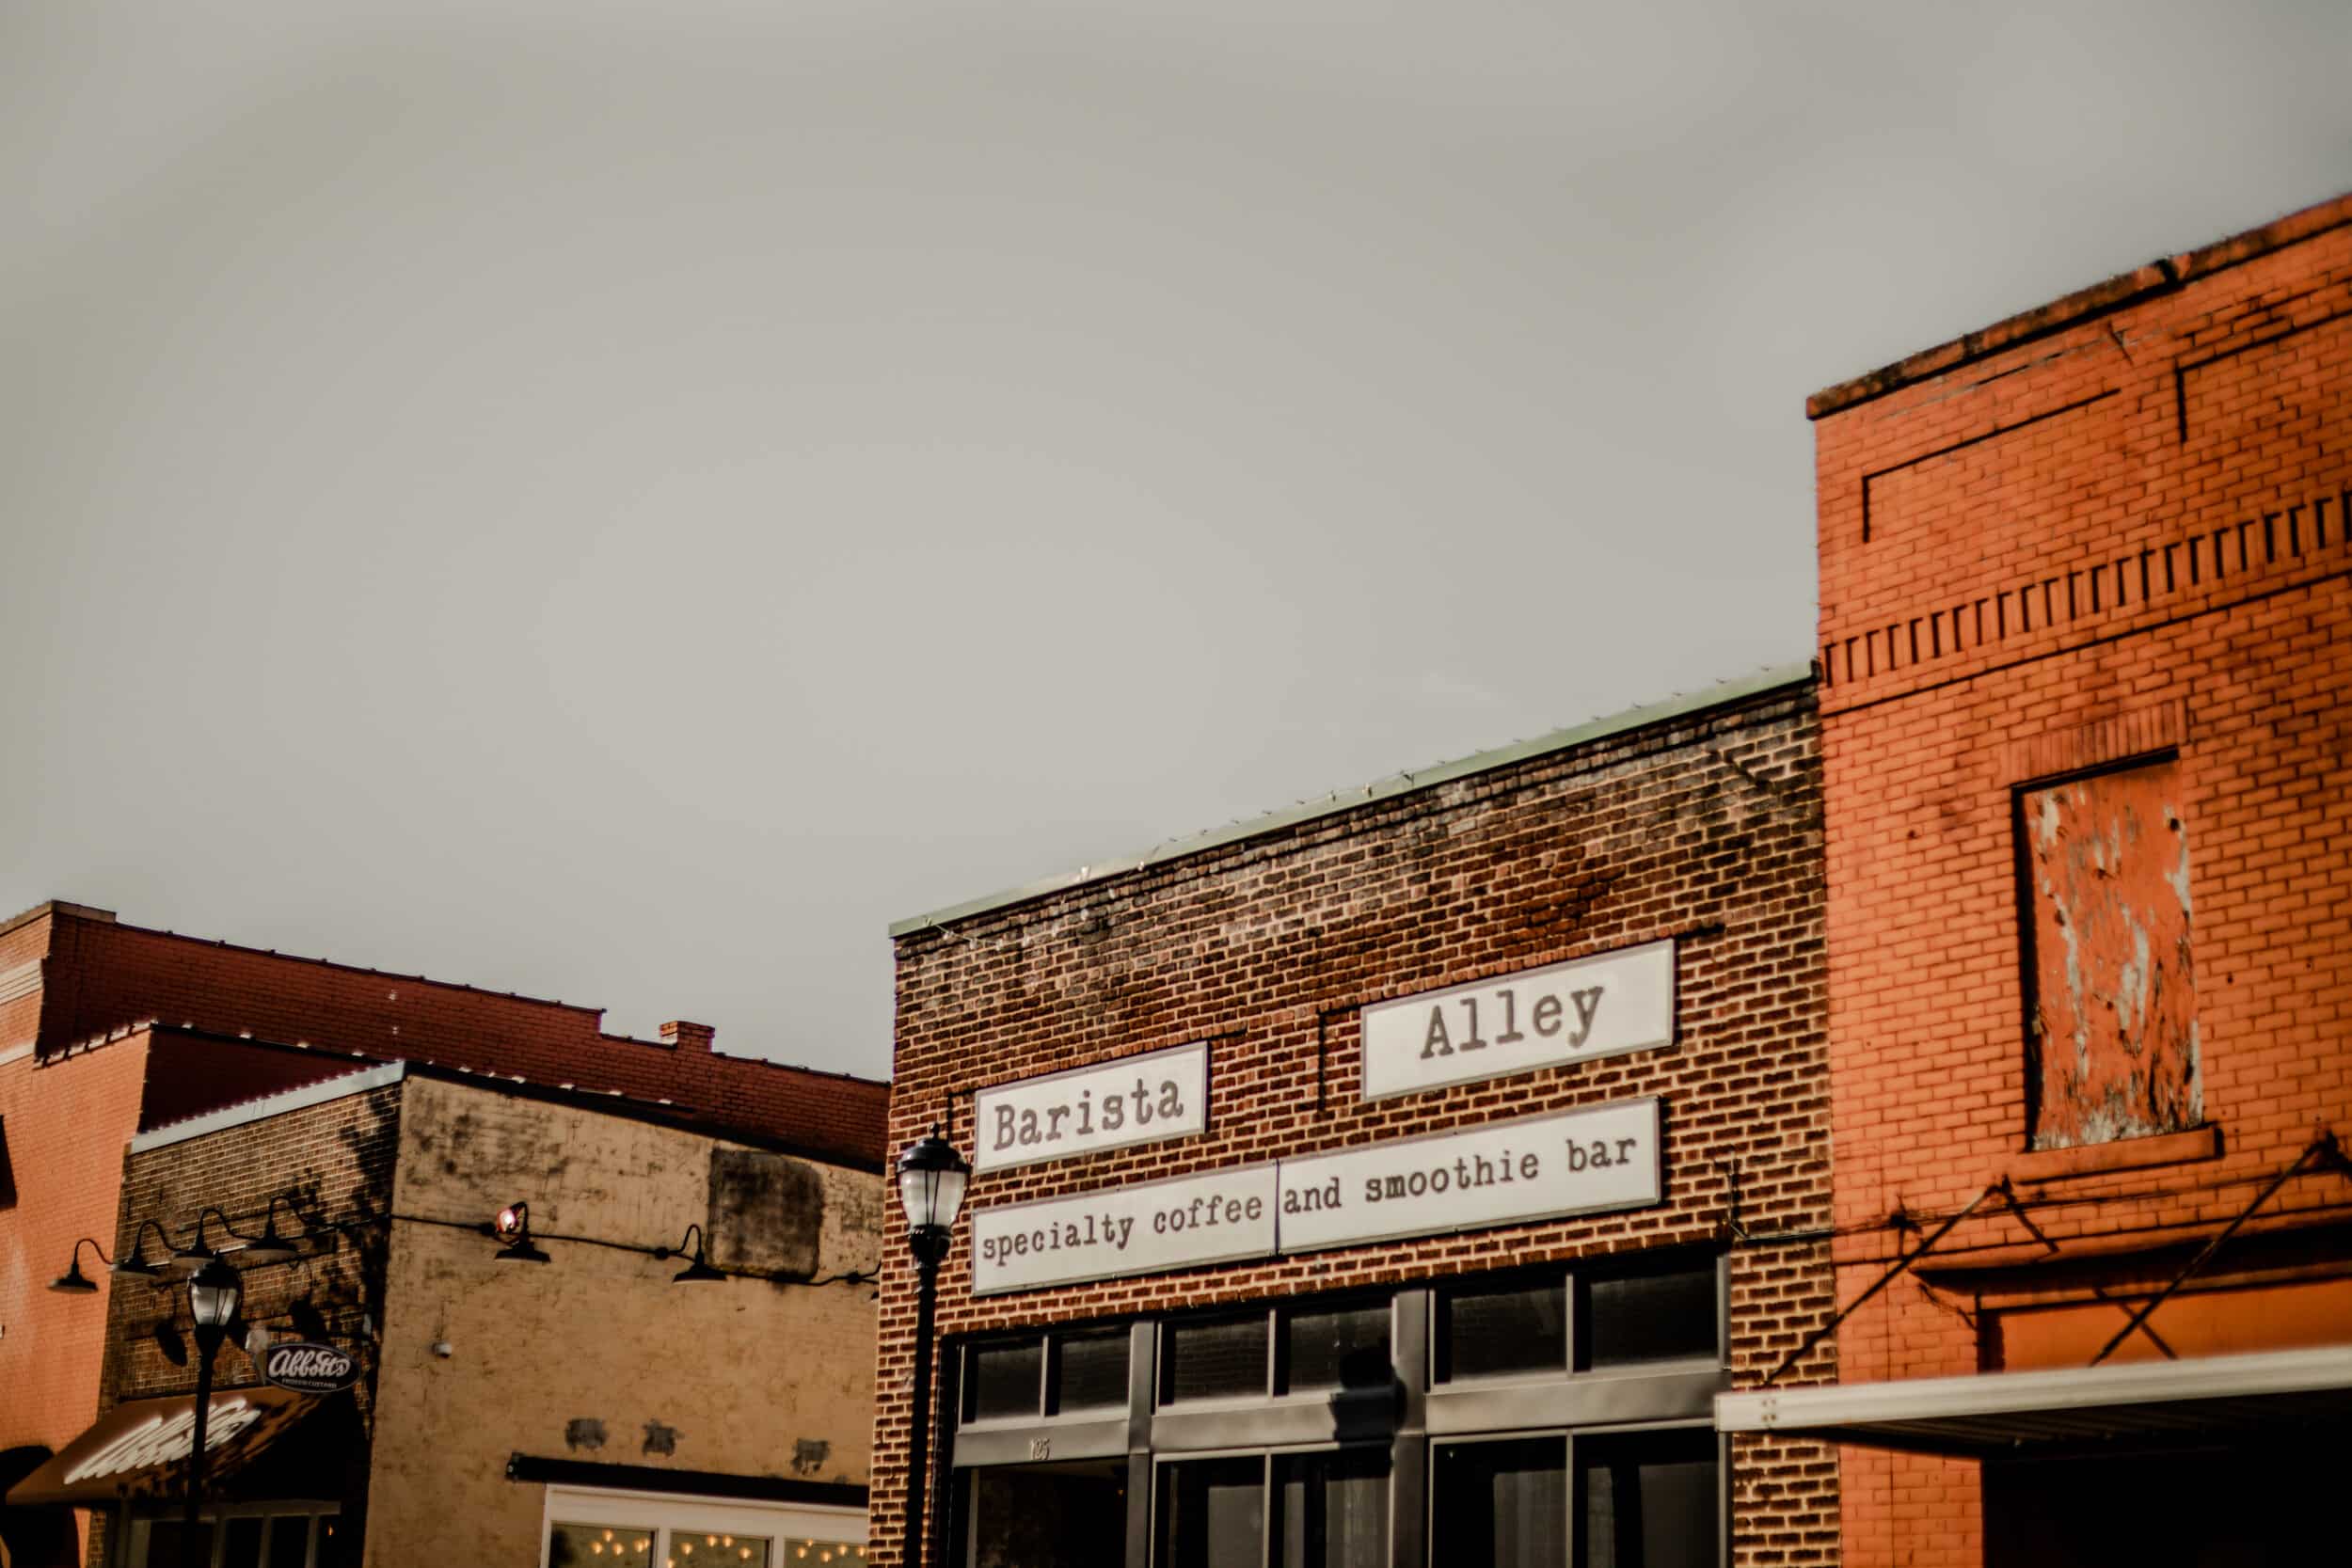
[(2087, 625), (1699, 825), (508, 1411)]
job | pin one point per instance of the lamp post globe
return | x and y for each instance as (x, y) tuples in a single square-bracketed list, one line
[(932, 1180), (213, 1294)]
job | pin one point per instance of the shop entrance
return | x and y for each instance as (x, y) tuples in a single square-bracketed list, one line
[(1063, 1515), (2223, 1507)]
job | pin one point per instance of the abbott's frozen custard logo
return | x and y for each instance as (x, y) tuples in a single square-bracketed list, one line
[(165, 1440), (309, 1369)]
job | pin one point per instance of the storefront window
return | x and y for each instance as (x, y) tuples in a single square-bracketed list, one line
[(246, 1535), (1089, 1371), (1627, 1319), (1331, 1509), (1003, 1379), (596, 1545), (1212, 1512), (1046, 1515), (1552, 1409), (1647, 1499), (1209, 1358), (640, 1531), (1497, 1330), (1343, 1347), (1504, 1503)]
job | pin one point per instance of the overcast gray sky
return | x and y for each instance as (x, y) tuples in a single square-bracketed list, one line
[(620, 501)]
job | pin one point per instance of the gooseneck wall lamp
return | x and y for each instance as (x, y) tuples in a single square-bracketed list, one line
[(932, 1180), (73, 1282), (135, 1265), (697, 1270)]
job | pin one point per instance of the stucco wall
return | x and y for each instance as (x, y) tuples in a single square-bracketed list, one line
[(597, 1354)]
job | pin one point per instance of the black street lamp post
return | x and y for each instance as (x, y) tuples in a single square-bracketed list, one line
[(213, 1292), (932, 1178)]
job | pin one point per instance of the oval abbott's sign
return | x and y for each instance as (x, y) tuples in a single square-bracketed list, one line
[(309, 1369)]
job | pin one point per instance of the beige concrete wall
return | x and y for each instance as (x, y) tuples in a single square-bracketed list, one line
[(595, 1355)]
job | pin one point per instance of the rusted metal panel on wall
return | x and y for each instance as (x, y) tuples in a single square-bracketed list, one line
[(2112, 1039)]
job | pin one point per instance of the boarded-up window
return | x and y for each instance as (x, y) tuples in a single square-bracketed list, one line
[(2111, 1047), (766, 1212)]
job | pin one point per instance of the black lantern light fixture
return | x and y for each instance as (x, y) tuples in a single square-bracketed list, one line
[(215, 1291), (270, 1248), (513, 1225), (191, 1258), (134, 1265), (73, 1282), (932, 1180), (699, 1268)]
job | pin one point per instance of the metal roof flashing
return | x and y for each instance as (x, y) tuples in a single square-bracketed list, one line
[(1722, 694)]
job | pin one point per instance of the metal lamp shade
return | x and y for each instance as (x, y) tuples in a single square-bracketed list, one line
[(213, 1294), (932, 1178)]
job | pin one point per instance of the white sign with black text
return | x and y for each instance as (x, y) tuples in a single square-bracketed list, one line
[(1531, 1169), (1145, 1228), (1603, 1006), (1137, 1100)]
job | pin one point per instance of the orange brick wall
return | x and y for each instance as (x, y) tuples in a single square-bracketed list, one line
[(1702, 827), (67, 1120), (2115, 526)]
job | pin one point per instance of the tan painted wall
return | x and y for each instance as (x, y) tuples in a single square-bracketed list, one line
[(749, 1377)]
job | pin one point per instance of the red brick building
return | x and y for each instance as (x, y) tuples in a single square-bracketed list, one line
[(108, 1029), (1393, 1181), (2086, 633)]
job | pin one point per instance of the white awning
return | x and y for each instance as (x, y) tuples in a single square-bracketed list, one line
[(1997, 1415)]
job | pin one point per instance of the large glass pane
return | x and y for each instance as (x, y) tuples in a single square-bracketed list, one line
[(164, 1543), (1208, 1358), (1332, 1510), (1006, 1378), (1502, 1504), (1344, 1347), (822, 1553), (573, 1545), (1044, 1516), (1090, 1369), (1648, 1500), (1649, 1317), (693, 1549), (241, 1541), (290, 1541), (1491, 1330), (1211, 1513)]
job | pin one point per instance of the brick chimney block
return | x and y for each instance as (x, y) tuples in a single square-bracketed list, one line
[(688, 1036)]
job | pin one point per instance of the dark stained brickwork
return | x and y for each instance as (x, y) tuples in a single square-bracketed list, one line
[(1704, 828)]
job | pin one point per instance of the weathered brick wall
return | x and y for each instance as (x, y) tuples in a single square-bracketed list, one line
[(1704, 828), (2116, 526), (336, 1158), (104, 975), (598, 1354)]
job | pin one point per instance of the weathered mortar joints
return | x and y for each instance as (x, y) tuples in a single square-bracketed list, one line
[(1490, 1073)]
